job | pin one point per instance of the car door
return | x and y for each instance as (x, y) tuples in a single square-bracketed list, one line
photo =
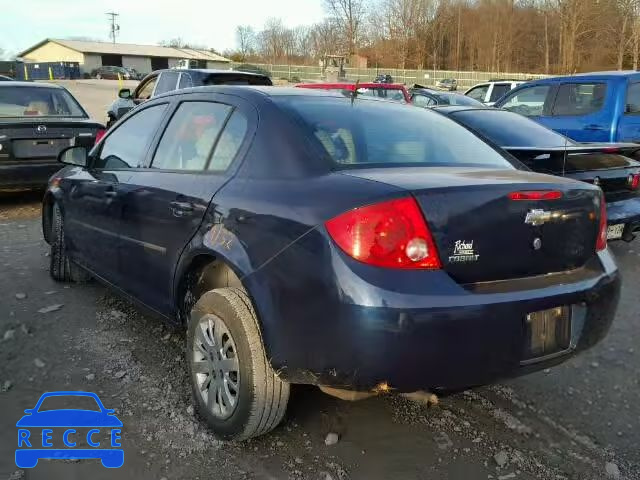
[(94, 205), (167, 201), (144, 91), (582, 110), (533, 101), (629, 124)]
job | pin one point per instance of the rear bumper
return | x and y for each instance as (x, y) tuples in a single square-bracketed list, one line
[(27, 174), (358, 326), (627, 212)]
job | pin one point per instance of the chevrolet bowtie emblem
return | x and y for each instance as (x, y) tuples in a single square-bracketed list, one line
[(537, 217)]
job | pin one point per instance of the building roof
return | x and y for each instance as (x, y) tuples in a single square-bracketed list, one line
[(130, 49)]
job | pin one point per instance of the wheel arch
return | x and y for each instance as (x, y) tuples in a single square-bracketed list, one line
[(47, 215)]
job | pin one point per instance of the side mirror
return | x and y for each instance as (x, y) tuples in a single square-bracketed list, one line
[(76, 155), (124, 93)]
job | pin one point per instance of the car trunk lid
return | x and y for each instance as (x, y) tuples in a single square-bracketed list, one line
[(483, 235)]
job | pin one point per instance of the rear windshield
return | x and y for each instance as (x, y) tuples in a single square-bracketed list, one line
[(38, 102), (392, 94), (365, 133), (509, 129), (458, 99), (236, 79)]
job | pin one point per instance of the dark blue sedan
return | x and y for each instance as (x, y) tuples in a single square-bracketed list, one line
[(305, 237)]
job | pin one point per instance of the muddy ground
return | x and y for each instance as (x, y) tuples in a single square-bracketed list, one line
[(576, 421)]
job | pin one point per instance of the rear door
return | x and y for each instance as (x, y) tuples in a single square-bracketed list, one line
[(583, 111), (96, 200), (166, 202), (629, 125)]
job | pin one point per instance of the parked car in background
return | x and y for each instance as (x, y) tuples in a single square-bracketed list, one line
[(163, 81), (134, 74), (393, 92), (301, 236), (589, 107), (610, 166), (383, 78), (37, 121), (450, 84), (427, 98), (492, 91), (111, 73)]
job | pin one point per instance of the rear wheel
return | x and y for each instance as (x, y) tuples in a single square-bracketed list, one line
[(61, 267), (235, 390)]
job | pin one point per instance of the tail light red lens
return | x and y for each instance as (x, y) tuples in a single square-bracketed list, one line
[(536, 195), (601, 243), (634, 181), (392, 234), (99, 134)]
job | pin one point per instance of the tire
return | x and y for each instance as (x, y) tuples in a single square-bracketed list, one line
[(61, 267), (260, 396)]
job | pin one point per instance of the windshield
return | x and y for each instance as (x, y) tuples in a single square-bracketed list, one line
[(38, 102), (65, 402), (510, 129), (360, 134)]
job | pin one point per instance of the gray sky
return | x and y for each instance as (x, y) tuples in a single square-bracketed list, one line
[(206, 22)]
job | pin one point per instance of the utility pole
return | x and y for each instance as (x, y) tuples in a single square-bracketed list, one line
[(114, 27)]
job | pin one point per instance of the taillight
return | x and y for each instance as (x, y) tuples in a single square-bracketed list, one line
[(536, 195), (601, 243), (391, 234), (633, 181), (99, 134)]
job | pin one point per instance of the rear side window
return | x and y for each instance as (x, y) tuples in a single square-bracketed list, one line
[(529, 101), (499, 91), (229, 143), (188, 140), (361, 134), (168, 81), (633, 98), (127, 146), (579, 98), (423, 101), (185, 81), (478, 93)]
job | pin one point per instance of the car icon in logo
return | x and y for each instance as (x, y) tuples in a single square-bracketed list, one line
[(36, 432)]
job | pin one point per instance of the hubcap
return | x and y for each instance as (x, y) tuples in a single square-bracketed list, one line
[(215, 363)]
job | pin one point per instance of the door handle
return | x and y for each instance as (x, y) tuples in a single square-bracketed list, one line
[(110, 193), (181, 209), (593, 126)]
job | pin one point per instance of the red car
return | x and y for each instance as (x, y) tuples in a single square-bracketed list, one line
[(394, 92)]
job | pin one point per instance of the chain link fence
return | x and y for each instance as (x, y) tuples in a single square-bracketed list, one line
[(302, 73)]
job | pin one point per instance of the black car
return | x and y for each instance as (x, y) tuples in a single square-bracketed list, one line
[(611, 166), (301, 237), (427, 98), (383, 78), (163, 81), (37, 121)]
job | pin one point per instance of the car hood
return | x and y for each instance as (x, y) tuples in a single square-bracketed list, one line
[(69, 418)]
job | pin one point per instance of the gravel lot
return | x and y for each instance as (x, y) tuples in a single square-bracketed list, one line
[(576, 421)]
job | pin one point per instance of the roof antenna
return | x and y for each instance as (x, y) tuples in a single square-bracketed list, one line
[(355, 91)]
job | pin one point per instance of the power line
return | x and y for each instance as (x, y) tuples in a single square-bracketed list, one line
[(114, 27)]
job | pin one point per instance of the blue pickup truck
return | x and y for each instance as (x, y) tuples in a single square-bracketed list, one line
[(589, 107)]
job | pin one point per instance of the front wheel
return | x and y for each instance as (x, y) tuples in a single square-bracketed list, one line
[(235, 390)]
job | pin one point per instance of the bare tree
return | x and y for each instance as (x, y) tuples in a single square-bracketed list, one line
[(349, 15), (246, 39)]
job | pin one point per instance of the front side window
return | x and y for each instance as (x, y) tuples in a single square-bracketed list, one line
[(360, 134), (147, 89), (168, 81), (188, 140), (499, 91), (529, 101), (38, 102), (127, 145), (478, 93), (633, 98), (579, 98)]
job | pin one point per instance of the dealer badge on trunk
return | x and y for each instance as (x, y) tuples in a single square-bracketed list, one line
[(463, 252)]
